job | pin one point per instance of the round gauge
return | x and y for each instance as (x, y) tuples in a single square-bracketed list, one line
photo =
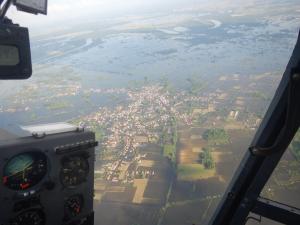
[(74, 170), (30, 217), (73, 206), (25, 170)]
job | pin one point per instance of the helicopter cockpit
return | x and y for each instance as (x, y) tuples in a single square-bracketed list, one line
[(49, 174)]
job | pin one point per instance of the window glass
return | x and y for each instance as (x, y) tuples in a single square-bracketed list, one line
[(284, 184), (256, 220), (174, 91)]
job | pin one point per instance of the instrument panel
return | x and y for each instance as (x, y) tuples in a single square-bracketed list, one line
[(48, 180)]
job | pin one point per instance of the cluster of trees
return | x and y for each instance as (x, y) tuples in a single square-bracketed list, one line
[(170, 141), (260, 95), (195, 85), (170, 152), (58, 105), (216, 136), (206, 158)]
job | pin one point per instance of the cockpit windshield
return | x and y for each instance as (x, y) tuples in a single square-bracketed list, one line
[(174, 91)]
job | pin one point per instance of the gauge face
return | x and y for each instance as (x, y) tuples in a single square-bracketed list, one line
[(30, 217), (74, 170), (25, 170), (73, 206)]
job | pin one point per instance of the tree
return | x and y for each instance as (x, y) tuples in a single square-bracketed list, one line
[(206, 158), (216, 136), (195, 85)]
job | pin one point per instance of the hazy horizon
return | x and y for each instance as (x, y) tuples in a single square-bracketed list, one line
[(69, 13)]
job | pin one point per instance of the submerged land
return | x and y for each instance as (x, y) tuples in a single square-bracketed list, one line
[(167, 155)]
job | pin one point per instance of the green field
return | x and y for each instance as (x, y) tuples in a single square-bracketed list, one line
[(99, 133), (190, 172), (58, 105), (170, 152)]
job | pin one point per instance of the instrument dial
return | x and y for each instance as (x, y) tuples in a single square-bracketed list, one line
[(30, 217), (74, 170), (73, 206), (25, 170)]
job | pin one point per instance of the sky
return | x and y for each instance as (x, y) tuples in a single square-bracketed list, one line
[(64, 12), (67, 10)]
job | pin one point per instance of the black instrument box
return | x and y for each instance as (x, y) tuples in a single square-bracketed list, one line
[(47, 178)]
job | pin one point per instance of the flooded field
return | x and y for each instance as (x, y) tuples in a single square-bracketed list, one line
[(284, 183), (191, 212), (190, 195), (126, 214), (141, 201), (193, 202)]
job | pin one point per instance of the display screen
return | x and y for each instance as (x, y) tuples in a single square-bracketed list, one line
[(9, 55)]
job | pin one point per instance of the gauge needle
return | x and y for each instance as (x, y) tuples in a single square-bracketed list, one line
[(5, 180), (25, 170)]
